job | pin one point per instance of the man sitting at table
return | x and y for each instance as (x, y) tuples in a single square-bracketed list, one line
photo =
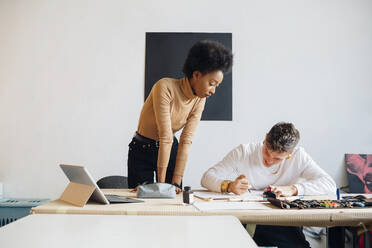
[(275, 162)]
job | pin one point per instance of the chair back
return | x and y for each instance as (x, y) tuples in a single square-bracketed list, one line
[(113, 182)]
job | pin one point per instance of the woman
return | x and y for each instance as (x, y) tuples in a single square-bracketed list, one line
[(174, 104)]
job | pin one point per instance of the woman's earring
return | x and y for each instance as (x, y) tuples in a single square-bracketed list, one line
[(288, 157)]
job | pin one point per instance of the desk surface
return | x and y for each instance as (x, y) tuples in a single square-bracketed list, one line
[(175, 207), (76, 231)]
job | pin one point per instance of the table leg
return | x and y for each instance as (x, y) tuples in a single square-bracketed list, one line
[(336, 237), (354, 231), (367, 243)]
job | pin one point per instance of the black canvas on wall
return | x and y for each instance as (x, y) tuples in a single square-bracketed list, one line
[(165, 55)]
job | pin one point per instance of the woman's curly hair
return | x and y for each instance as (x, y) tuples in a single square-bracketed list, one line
[(282, 137), (207, 56)]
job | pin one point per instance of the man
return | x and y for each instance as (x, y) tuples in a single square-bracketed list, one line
[(275, 162)]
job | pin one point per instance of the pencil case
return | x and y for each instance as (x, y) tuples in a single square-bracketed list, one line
[(156, 190)]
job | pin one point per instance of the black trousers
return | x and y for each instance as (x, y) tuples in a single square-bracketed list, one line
[(280, 236), (142, 161)]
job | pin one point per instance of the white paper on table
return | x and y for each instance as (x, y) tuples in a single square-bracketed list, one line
[(214, 195), (223, 206), (253, 195), (355, 194)]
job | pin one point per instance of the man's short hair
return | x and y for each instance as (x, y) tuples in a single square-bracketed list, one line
[(282, 137), (208, 56)]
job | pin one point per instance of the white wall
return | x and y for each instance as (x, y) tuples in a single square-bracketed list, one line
[(72, 79)]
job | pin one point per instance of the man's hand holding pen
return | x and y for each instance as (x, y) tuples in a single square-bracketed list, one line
[(239, 186)]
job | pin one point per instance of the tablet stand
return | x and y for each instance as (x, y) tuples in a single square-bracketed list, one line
[(77, 194)]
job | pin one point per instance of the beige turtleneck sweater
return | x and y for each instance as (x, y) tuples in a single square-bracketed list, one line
[(170, 106)]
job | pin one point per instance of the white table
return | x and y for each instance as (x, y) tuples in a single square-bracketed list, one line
[(78, 231), (175, 207)]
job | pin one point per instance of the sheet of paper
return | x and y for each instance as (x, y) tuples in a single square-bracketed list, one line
[(355, 194), (224, 206), (213, 195), (253, 195)]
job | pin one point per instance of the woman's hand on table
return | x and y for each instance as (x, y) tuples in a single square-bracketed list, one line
[(134, 190), (176, 181), (178, 190)]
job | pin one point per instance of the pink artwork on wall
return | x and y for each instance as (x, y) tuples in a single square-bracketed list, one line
[(359, 172)]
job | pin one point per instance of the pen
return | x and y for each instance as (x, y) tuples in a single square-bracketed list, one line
[(246, 200), (235, 199), (338, 193), (203, 198), (291, 198)]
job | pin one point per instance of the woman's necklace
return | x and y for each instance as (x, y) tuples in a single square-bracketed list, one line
[(277, 170)]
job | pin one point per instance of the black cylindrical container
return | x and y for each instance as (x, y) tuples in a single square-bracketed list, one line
[(188, 195)]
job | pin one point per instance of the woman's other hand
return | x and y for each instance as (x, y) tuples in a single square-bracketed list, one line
[(178, 190), (134, 190)]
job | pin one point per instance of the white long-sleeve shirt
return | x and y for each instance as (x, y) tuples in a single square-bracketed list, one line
[(300, 170)]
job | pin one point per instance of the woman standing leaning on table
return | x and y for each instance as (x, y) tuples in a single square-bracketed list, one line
[(174, 104)]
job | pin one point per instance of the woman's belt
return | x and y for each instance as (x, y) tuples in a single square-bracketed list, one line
[(146, 140)]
